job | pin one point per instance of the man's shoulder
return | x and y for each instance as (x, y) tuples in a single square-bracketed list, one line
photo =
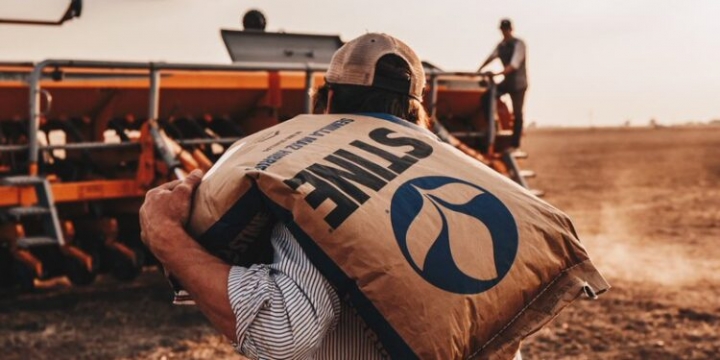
[(512, 41)]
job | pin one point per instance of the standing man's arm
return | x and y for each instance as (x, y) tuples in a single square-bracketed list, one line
[(517, 58), (490, 58), (205, 277)]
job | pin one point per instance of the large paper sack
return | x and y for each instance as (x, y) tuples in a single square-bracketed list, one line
[(441, 256)]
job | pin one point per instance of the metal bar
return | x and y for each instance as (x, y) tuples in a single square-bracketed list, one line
[(91, 146), (247, 66), (111, 146), (309, 80), (13, 148), (154, 103), (433, 95), (30, 22), (45, 197), (468, 134), (491, 111), (512, 165), (33, 124), (73, 146), (208, 141)]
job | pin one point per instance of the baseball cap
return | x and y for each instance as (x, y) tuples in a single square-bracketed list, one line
[(505, 24), (355, 63)]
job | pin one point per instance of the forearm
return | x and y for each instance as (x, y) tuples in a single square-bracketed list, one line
[(483, 65), (489, 59), (204, 276)]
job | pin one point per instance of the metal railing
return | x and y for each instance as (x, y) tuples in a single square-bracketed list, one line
[(72, 146), (155, 68)]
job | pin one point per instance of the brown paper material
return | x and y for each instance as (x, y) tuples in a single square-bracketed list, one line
[(443, 257)]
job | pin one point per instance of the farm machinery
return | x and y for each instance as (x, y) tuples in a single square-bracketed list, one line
[(82, 141)]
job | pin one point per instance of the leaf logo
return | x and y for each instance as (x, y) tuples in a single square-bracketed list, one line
[(454, 234)]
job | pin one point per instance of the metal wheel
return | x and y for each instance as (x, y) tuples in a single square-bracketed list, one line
[(24, 277), (77, 272), (124, 267)]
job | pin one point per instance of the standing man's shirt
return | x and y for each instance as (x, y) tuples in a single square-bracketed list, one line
[(288, 310), (512, 52)]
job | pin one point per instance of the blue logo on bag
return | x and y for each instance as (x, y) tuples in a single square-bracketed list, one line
[(456, 235)]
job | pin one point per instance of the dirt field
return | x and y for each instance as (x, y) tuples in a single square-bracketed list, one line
[(646, 203)]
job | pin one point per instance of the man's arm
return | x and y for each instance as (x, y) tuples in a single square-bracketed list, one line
[(285, 309), (162, 218), (281, 310), (517, 58), (490, 58)]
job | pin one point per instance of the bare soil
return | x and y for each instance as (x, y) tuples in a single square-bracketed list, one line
[(646, 203)]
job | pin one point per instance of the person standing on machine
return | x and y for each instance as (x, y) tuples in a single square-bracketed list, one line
[(513, 55)]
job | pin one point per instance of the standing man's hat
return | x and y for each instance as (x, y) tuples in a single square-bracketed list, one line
[(355, 62), (505, 24)]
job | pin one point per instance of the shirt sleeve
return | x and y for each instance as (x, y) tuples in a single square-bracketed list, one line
[(518, 54), (285, 309)]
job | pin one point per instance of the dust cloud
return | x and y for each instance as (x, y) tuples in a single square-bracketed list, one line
[(622, 252)]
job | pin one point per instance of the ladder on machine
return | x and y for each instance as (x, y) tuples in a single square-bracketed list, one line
[(510, 157), (50, 234)]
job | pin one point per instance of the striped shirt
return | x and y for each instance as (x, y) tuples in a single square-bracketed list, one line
[(288, 310)]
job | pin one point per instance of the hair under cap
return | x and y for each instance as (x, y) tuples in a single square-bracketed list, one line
[(505, 24), (354, 63)]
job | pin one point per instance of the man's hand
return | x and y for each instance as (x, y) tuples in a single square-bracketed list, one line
[(204, 276), (166, 210)]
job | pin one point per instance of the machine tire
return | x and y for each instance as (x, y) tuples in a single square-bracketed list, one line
[(24, 277), (6, 268), (123, 268), (78, 273)]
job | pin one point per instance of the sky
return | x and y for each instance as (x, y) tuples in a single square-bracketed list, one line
[(590, 62)]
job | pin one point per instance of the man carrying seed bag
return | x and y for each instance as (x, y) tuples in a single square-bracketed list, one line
[(385, 242)]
